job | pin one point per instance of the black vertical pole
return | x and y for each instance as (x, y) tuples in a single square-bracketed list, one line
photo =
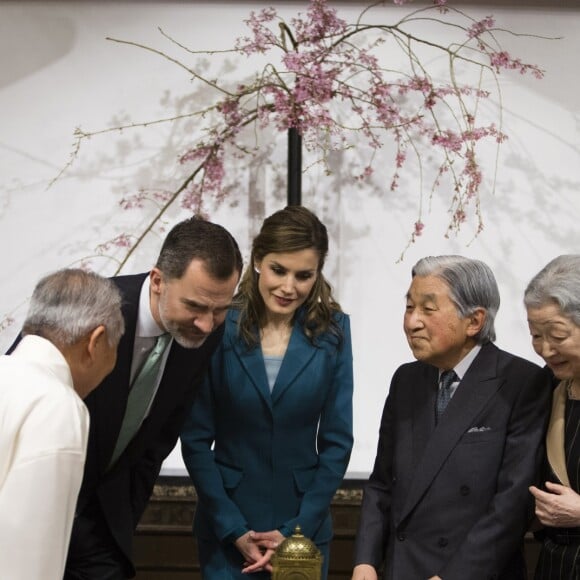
[(294, 167)]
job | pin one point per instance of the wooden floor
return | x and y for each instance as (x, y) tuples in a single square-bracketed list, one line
[(166, 550)]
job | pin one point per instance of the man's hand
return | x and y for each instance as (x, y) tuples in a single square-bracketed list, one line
[(364, 572)]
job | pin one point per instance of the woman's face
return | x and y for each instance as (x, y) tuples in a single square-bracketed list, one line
[(556, 339), (286, 279)]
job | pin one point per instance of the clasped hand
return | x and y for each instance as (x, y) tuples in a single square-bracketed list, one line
[(558, 507), (257, 549)]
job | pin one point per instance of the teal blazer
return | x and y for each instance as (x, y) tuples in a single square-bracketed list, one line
[(278, 457)]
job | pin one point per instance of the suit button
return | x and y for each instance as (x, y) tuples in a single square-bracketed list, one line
[(401, 536), (464, 490), (442, 542)]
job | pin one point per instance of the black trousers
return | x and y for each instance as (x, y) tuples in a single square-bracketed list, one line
[(93, 553)]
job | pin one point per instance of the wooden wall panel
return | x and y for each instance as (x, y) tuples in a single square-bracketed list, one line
[(166, 550)]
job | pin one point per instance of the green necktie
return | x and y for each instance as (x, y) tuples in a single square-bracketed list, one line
[(140, 395)]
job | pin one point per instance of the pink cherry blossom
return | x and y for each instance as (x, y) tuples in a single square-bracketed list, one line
[(338, 84)]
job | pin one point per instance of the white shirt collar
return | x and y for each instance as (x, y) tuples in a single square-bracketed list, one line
[(463, 365), (146, 325), (37, 350)]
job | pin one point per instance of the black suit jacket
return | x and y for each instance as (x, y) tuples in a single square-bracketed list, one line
[(452, 500), (123, 491)]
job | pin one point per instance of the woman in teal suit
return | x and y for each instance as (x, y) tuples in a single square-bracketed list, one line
[(269, 435)]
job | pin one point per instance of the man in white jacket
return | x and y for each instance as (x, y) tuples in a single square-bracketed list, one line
[(69, 343)]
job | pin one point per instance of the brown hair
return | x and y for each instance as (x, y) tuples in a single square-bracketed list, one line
[(291, 229)]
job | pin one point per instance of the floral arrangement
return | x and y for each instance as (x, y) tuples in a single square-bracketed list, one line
[(329, 81)]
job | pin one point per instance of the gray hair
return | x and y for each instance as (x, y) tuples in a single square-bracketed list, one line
[(471, 285), (559, 283), (69, 304)]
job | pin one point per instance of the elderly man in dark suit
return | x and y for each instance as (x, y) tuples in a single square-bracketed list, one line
[(459, 440), (176, 311)]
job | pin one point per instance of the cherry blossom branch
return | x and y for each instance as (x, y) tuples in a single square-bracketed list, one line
[(208, 82), (325, 79)]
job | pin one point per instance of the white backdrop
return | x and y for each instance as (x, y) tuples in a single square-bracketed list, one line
[(58, 72)]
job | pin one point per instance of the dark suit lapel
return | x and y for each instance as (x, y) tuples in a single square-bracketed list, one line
[(478, 385), (414, 434), (425, 389), (112, 395), (183, 372), (298, 354)]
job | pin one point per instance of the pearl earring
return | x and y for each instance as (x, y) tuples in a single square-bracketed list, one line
[(256, 270)]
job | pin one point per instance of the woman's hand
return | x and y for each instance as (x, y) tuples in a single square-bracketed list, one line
[(268, 540), (559, 507), (257, 548), (254, 557)]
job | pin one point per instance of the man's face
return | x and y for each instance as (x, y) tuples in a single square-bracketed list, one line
[(90, 360), (433, 328), (191, 307)]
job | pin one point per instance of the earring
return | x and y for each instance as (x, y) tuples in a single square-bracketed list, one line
[(256, 270)]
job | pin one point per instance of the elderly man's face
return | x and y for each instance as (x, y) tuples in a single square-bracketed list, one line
[(105, 359), (433, 328)]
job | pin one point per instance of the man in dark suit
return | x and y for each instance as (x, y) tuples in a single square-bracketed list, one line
[(447, 498), (185, 298)]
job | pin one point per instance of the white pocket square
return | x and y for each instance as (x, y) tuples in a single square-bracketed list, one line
[(479, 429)]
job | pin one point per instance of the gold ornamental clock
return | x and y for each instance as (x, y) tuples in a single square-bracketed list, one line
[(297, 558)]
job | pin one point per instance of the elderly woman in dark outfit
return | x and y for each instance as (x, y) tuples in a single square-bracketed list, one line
[(552, 301)]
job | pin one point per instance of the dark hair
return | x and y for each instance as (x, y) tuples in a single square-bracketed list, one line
[(197, 238), (471, 285), (291, 229), (70, 303)]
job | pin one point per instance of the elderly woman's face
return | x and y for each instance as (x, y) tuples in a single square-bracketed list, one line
[(556, 339)]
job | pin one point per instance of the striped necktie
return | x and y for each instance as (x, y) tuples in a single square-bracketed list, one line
[(444, 393)]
